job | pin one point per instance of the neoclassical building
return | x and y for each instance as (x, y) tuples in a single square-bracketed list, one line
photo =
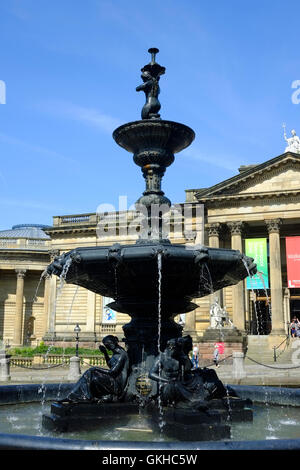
[(257, 209), (24, 255)]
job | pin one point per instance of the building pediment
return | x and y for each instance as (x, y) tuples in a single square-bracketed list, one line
[(278, 176)]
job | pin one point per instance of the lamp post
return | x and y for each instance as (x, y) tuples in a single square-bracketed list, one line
[(77, 330)]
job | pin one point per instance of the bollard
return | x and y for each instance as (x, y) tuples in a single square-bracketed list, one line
[(4, 367), (74, 371), (238, 371)]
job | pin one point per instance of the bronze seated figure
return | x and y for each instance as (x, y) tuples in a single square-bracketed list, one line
[(179, 384), (100, 384)]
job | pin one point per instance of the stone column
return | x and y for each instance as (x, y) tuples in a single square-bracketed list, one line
[(190, 324), (238, 302), (287, 309), (278, 326), (91, 308), (214, 242), (52, 301), (74, 370), (17, 339), (4, 367), (47, 286), (190, 317), (238, 370)]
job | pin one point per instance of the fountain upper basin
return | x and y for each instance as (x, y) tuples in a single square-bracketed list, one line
[(129, 274), (168, 136)]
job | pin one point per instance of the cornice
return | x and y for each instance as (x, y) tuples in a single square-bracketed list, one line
[(268, 197), (72, 229), (245, 179)]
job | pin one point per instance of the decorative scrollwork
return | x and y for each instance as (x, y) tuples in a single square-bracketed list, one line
[(273, 225)]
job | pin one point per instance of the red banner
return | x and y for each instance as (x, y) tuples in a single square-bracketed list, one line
[(293, 261), (221, 347)]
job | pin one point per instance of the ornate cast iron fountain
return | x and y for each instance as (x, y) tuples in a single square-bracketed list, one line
[(153, 281)]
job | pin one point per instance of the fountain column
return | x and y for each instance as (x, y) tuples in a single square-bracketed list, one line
[(238, 303), (214, 242), (17, 340), (278, 326)]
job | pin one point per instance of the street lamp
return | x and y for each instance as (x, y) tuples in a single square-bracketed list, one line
[(77, 330)]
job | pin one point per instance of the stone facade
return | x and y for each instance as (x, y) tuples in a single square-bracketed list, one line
[(261, 201)]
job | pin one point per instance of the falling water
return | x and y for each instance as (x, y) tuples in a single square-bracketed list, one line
[(64, 272), (206, 282), (252, 289), (62, 278), (260, 274), (38, 286), (68, 321), (159, 265)]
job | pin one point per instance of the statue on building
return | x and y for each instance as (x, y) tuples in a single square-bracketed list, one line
[(219, 317), (293, 143), (216, 314)]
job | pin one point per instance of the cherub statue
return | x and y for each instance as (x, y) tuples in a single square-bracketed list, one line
[(150, 75), (151, 89)]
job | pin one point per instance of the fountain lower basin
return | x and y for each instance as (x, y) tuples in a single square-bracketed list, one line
[(276, 424)]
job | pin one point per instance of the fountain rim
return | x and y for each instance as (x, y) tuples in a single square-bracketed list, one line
[(150, 124), (10, 441)]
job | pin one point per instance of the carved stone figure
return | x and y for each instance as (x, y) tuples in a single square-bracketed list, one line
[(216, 314), (219, 316), (293, 142), (98, 383)]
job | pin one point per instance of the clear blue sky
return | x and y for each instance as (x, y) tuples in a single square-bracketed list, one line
[(71, 68)]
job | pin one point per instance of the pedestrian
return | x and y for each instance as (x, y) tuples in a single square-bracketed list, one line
[(195, 358), (294, 327), (216, 355)]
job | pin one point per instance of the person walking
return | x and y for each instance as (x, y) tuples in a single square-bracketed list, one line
[(216, 356), (195, 358), (294, 327)]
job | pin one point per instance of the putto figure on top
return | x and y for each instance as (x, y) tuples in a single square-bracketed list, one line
[(150, 75)]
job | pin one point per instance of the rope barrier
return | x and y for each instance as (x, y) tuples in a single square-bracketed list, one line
[(42, 368), (272, 367), (221, 360), (209, 365)]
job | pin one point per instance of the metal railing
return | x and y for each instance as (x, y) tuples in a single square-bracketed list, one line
[(287, 342)]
